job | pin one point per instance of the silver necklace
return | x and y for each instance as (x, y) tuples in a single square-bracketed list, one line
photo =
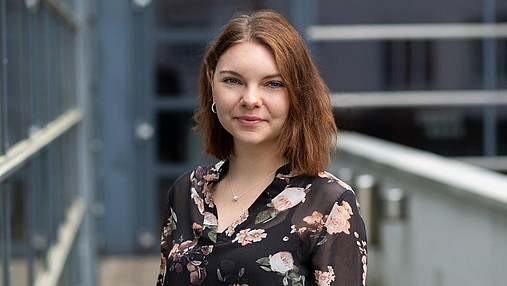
[(235, 197)]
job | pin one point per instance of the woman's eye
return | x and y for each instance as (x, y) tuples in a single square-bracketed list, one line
[(275, 84), (231, 81)]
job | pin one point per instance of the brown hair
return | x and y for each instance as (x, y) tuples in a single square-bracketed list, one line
[(310, 131)]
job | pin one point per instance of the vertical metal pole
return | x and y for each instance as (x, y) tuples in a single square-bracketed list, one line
[(32, 173), (6, 233), (32, 72), (489, 79), (303, 15), (3, 92), (29, 209), (48, 78)]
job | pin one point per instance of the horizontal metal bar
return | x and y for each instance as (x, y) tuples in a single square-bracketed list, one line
[(397, 161), (417, 99), (21, 152), (62, 12), (495, 163), (59, 252), (331, 33)]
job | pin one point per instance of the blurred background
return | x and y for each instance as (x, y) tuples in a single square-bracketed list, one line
[(96, 100)]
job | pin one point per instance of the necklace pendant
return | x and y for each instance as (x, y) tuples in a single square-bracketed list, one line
[(235, 198)]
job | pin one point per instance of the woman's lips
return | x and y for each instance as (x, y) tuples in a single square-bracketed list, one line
[(249, 120)]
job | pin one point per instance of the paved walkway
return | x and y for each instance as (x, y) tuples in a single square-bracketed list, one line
[(128, 270)]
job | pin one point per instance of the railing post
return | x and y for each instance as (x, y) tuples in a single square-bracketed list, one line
[(394, 204), (367, 189)]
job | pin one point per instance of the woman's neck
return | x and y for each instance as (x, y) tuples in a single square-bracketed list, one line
[(255, 162)]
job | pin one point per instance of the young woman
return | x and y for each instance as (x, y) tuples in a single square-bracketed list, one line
[(266, 213)]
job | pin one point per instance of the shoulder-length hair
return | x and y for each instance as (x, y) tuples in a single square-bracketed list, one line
[(310, 131)]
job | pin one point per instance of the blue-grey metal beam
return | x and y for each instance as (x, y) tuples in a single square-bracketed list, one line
[(489, 79)]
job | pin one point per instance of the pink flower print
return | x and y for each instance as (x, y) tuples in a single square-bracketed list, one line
[(327, 175), (163, 263), (247, 236), (324, 278), (338, 219), (230, 230), (197, 229), (210, 177), (348, 208), (209, 219), (316, 219), (331, 177), (242, 237), (257, 235), (281, 262), (288, 198), (197, 200), (197, 273), (208, 199)]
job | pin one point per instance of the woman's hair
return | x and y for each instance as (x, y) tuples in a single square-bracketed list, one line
[(310, 132)]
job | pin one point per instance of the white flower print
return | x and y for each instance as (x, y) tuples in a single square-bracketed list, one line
[(324, 278), (197, 200), (247, 236), (338, 219), (364, 255), (281, 262), (288, 198), (209, 219)]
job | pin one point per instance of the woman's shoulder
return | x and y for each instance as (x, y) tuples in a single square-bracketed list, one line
[(328, 187), (203, 172), (194, 179)]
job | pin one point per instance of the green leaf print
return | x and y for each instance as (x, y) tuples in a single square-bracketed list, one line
[(263, 261), (213, 233), (266, 216), (213, 236), (293, 276), (266, 268)]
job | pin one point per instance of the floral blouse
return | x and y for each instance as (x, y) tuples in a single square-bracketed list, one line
[(301, 230)]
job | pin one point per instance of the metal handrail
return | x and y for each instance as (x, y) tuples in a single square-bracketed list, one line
[(18, 154), (460, 178), (375, 32), (58, 253), (418, 99), (62, 12)]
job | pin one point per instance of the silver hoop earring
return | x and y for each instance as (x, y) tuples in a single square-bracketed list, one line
[(214, 107)]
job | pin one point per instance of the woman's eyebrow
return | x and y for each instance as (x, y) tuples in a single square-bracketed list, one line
[(276, 75), (229, 72)]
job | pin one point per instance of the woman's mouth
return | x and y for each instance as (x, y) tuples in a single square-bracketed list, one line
[(249, 120)]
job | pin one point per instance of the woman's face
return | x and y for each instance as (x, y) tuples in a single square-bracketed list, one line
[(251, 99)]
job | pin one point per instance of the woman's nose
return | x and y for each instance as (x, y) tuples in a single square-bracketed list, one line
[(251, 98)]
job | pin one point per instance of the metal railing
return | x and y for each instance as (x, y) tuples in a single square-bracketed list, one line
[(487, 32), (430, 220), (454, 31), (45, 193), (419, 99)]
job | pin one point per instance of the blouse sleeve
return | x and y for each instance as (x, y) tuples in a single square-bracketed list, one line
[(340, 256), (166, 240)]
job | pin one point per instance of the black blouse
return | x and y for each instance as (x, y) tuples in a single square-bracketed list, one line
[(301, 230)]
